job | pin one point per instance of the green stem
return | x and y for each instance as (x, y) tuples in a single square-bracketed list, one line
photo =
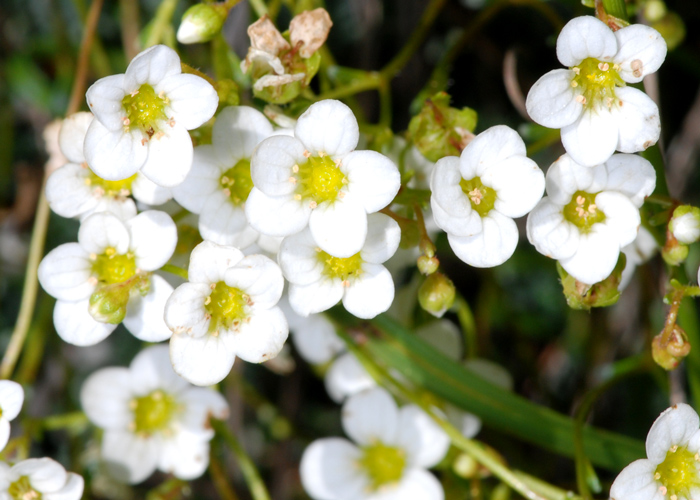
[(259, 7), (616, 8), (75, 420), (78, 92), (468, 324), (250, 472), (177, 271), (129, 22), (372, 81), (161, 23), (218, 476)]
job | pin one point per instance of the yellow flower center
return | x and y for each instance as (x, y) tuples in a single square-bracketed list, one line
[(343, 268), (597, 79), (482, 198), (227, 306), (582, 211), (22, 490), (144, 109), (678, 473), (111, 267), (153, 412), (318, 179), (384, 464), (237, 183), (112, 189)]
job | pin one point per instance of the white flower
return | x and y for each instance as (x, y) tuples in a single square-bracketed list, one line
[(152, 418), (589, 102), (590, 213), (476, 196), (318, 280), (74, 190), (394, 448), (110, 267), (11, 399), (42, 478), (672, 467), (685, 224), (637, 253), (142, 119), (227, 309), (313, 336), (218, 185), (316, 179)]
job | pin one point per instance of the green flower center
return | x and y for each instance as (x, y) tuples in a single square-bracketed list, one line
[(597, 79), (111, 267), (153, 412), (318, 179), (144, 109), (678, 473), (112, 189), (227, 307), (237, 183), (384, 464), (582, 211), (22, 490), (342, 268), (482, 198)]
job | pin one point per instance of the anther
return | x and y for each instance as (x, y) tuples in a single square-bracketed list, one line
[(657, 476), (312, 204), (581, 99), (603, 66), (295, 168), (126, 121), (297, 197), (637, 67), (144, 141), (307, 154), (212, 286), (674, 448), (293, 180), (207, 301), (592, 208), (135, 92), (576, 70), (341, 194), (663, 490), (580, 200), (674, 497), (227, 192), (574, 83)]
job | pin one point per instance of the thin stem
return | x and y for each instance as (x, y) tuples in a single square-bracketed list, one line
[(78, 92), (371, 81), (250, 473), (468, 324), (161, 23), (177, 271), (259, 7), (218, 476), (671, 317), (130, 25)]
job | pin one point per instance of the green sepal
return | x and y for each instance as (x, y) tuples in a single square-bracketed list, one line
[(582, 296)]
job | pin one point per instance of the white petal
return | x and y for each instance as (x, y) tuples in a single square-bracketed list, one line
[(416, 484), (299, 259), (237, 132), (328, 127), (185, 312), (75, 325), (101, 231), (104, 97), (151, 370), (641, 51), (584, 37), (144, 315), (72, 136), (550, 233), (129, 458), (45, 474), (193, 100), (492, 246), (371, 416), (225, 223), (596, 256), (592, 138), (552, 102), (519, 185), (424, 441), (105, 397), (314, 337), (383, 238), (123, 208), (675, 426), (209, 262), (636, 482), (372, 178), (11, 399), (149, 192), (468, 424), (638, 120), (491, 146), (565, 177), (151, 66), (315, 297), (329, 470), (64, 273), (444, 336), (271, 166), (169, 156), (631, 175), (202, 361), (185, 455), (259, 277), (202, 181), (451, 208), (339, 228), (276, 215), (201, 405), (153, 239), (4, 433), (370, 294), (261, 337), (67, 193), (71, 490), (346, 377), (621, 216), (114, 154)]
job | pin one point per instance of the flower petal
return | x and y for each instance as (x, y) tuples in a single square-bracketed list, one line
[(237, 132), (621, 216), (328, 470), (591, 139), (71, 490), (4, 432), (370, 294), (272, 164), (372, 178), (371, 416), (11, 399), (129, 458), (299, 259), (550, 233), (315, 297), (203, 360), (424, 441), (202, 180), (185, 455), (565, 177), (631, 175), (584, 37), (65, 273), (225, 223), (416, 484), (452, 209), (67, 193), (490, 147), (114, 154), (519, 185), (260, 278), (641, 52), (551, 101), (276, 215), (72, 136), (193, 100), (144, 315), (201, 405), (636, 482), (151, 66), (75, 325), (339, 228), (101, 231), (185, 311), (346, 377), (104, 97), (261, 336), (105, 397), (45, 475), (675, 426), (149, 192), (328, 127), (169, 156), (383, 238), (596, 256), (492, 246), (209, 262), (638, 120), (153, 239)]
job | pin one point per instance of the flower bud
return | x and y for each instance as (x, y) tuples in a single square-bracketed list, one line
[(465, 466), (108, 302), (674, 253), (439, 130), (654, 10), (584, 296), (670, 355), (672, 28), (437, 294), (685, 224), (201, 23), (428, 265)]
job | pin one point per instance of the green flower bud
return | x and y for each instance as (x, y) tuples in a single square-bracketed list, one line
[(428, 265), (669, 355), (437, 294), (685, 224), (108, 303), (201, 23), (602, 294), (674, 253), (672, 28), (439, 130), (465, 466), (654, 10)]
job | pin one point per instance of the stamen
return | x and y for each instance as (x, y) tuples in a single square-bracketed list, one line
[(312, 204), (295, 168), (603, 66), (307, 154)]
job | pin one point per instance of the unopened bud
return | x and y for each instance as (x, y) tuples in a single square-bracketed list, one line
[(465, 466), (654, 10), (685, 224), (428, 265), (669, 355), (672, 28), (201, 23), (108, 303), (674, 253), (584, 296), (437, 294)]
